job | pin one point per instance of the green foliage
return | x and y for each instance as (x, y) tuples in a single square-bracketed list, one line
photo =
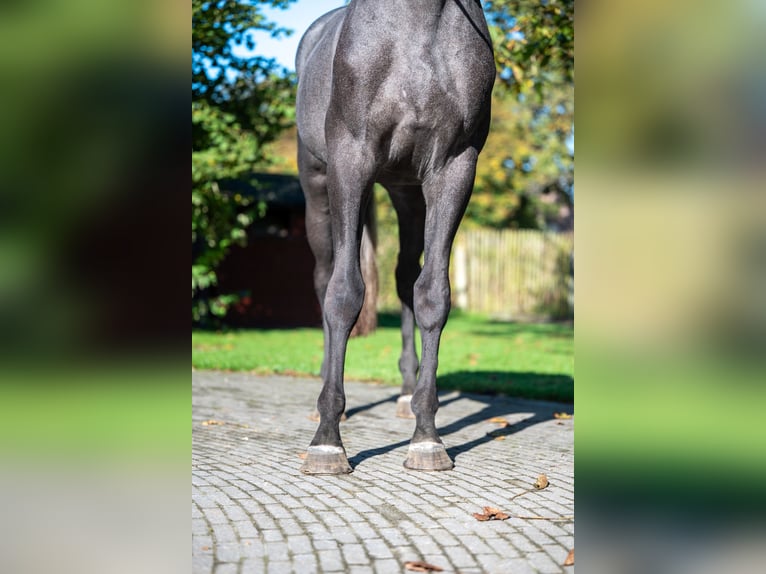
[(532, 117), (534, 43), (239, 104), (526, 155)]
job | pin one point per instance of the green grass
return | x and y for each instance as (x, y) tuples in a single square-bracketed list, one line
[(476, 355)]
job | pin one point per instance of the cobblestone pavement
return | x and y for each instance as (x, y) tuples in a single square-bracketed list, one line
[(254, 511)]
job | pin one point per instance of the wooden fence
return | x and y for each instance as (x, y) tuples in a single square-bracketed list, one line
[(511, 274)]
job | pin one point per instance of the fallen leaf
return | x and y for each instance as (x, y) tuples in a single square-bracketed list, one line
[(302, 455), (570, 558), (417, 566), (212, 422), (491, 514), (499, 420), (205, 547), (541, 482), (500, 437), (562, 416)]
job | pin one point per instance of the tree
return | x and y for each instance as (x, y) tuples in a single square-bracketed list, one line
[(526, 158), (239, 104), (534, 43), (529, 150)]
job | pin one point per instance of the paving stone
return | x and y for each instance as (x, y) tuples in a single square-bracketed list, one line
[(277, 551), (226, 569), (460, 556), (252, 548), (279, 567), (303, 563), (245, 529), (299, 544), (223, 533), (202, 564), (542, 562), (387, 567), (355, 554), (330, 560), (252, 566), (377, 548), (227, 552), (199, 527), (254, 511)]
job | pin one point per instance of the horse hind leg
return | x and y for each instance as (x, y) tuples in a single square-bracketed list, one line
[(349, 192), (446, 195), (410, 210), (313, 178)]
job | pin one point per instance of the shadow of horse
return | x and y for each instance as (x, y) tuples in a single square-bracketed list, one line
[(542, 411)]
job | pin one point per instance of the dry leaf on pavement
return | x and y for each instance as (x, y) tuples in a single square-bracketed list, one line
[(541, 482), (562, 416), (570, 558), (491, 514), (212, 422), (418, 566)]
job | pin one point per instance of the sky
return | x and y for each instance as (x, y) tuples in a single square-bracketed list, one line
[(298, 17)]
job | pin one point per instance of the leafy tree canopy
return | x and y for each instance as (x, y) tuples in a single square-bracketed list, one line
[(530, 147), (239, 104)]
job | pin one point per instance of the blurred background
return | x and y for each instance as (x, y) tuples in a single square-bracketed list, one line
[(671, 262), (94, 392), (671, 286)]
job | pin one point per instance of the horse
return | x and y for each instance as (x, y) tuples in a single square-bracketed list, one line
[(394, 92)]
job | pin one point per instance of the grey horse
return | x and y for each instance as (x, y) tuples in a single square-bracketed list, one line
[(396, 92)]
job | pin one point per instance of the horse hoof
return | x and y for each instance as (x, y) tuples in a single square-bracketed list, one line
[(428, 456), (404, 407), (325, 460)]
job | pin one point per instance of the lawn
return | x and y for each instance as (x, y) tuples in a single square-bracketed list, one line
[(477, 355)]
